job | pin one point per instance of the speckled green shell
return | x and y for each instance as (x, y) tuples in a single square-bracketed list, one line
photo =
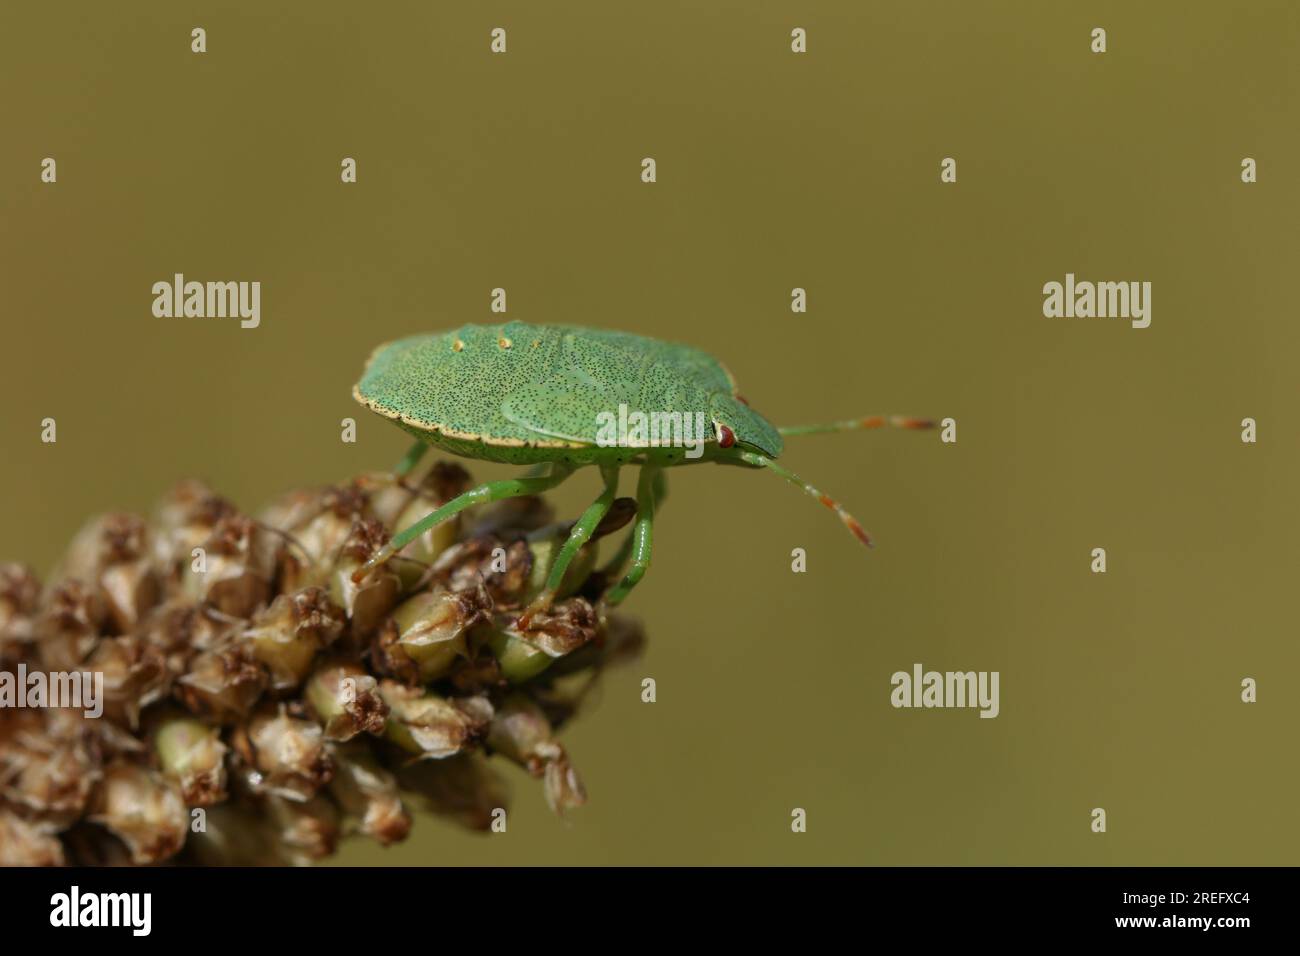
[(532, 393)]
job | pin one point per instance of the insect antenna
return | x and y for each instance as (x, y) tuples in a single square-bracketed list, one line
[(858, 424), (850, 522)]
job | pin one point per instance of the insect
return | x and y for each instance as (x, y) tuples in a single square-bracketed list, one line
[(539, 395)]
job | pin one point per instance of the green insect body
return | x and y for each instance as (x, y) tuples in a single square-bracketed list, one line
[(540, 395)]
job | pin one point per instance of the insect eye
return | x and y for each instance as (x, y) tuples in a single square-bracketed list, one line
[(726, 437)]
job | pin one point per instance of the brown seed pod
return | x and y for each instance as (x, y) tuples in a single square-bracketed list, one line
[(287, 753), (287, 635), (143, 809)]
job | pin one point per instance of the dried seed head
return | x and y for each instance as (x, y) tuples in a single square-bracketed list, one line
[(346, 701), (135, 675), (184, 520), (143, 809), (368, 602), (268, 635), (426, 634), (521, 732), (287, 753), (369, 793), (26, 843), (191, 753), (49, 778), (504, 569), (287, 635), (238, 565), (223, 684), (112, 551), (20, 594), (320, 522), (429, 726), (480, 674), (69, 625), (179, 630)]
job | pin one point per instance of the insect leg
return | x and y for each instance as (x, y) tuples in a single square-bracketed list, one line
[(614, 567), (857, 424), (491, 491), (578, 536), (650, 489), (412, 458)]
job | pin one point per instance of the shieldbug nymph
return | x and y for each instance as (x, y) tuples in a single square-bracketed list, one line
[(560, 398)]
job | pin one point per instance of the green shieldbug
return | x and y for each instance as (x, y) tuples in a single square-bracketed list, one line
[(546, 395)]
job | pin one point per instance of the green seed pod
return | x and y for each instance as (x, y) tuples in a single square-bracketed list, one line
[(428, 633), (553, 634), (287, 635), (346, 700), (192, 754)]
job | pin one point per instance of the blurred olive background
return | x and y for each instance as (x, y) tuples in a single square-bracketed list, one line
[(775, 170)]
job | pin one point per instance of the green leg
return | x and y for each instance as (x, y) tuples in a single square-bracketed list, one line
[(491, 491), (578, 536), (649, 488), (408, 463), (615, 565)]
